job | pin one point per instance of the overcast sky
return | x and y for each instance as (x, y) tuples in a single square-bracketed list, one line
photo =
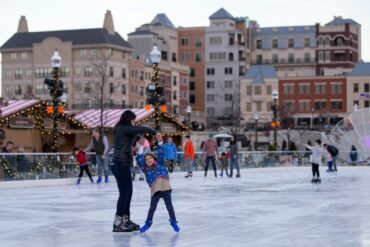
[(45, 15)]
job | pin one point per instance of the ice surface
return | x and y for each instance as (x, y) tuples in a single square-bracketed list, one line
[(266, 207)]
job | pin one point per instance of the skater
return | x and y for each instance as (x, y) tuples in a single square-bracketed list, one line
[(101, 146), (353, 155), (170, 154), (123, 135), (157, 178), (209, 152), (84, 166), (188, 156), (315, 160), (224, 158), (234, 162), (334, 154)]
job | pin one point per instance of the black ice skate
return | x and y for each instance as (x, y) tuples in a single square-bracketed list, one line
[(318, 180)]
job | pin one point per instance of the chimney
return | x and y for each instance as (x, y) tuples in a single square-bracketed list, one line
[(22, 25), (108, 23)]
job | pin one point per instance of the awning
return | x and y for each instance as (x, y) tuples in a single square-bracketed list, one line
[(9, 107), (91, 118)]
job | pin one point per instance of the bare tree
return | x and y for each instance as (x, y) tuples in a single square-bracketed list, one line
[(29, 92)]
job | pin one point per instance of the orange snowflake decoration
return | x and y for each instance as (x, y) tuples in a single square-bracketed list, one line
[(61, 109), (148, 107), (163, 108), (49, 110)]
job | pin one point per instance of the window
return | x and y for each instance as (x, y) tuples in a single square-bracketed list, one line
[(198, 57), (249, 90), (304, 89), (288, 90), (29, 72), (78, 70), (291, 58), (13, 56), (111, 88), (217, 56), (210, 71), (192, 72), (198, 42), (257, 90), (210, 111), (175, 81), (123, 90), (124, 73), (41, 89), (320, 41), (275, 43), (174, 95), (320, 89), (275, 58), (192, 99), (306, 42), (184, 41), (231, 56), (88, 71), (23, 55), (258, 106), (320, 105), (111, 71), (18, 90), (307, 57), (185, 56), (82, 52), (259, 44), (215, 40), (336, 105), (8, 73), (228, 97), (366, 87), (228, 71), (259, 59), (94, 52), (174, 57), (210, 97), (367, 103), (336, 88), (8, 90), (18, 74), (228, 84), (192, 85), (249, 106), (304, 106), (288, 106), (64, 72), (355, 87), (164, 55), (290, 43), (210, 84), (141, 93), (269, 91), (321, 55)]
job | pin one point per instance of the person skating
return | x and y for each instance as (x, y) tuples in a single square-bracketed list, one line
[(123, 135), (224, 163), (315, 160), (82, 161), (234, 160), (189, 156), (329, 161), (334, 154), (152, 164), (170, 152), (209, 152), (101, 146)]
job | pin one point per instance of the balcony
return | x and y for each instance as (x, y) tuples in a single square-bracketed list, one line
[(284, 61)]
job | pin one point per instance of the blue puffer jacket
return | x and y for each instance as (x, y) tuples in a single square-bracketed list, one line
[(156, 171), (170, 151)]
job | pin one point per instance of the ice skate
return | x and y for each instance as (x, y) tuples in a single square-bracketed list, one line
[(190, 174), (238, 175), (131, 223), (174, 225), (106, 179), (313, 180), (146, 226), (78, 181), (99, 180), (318, 180)]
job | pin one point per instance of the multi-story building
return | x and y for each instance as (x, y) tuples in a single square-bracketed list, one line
[(173, 75), (290, 49), (338, 46), (312, 101), (140, 77), (225, 63), (26, 63), (358, 87)]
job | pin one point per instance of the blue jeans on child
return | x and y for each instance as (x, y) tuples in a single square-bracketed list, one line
[(166, 195)]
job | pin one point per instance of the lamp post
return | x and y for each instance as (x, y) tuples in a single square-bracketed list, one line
[(155, 57), (256, 117), (275, 124), (188, 111), (56, 91)]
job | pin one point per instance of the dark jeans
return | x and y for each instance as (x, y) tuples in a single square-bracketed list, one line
[(166, 195), (330, 165), (315, 170), (234, 163), (334, 162), (122, 173), (86, 169), (213, 160)]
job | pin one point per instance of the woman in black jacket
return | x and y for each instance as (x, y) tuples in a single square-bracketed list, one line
[(123, 136)]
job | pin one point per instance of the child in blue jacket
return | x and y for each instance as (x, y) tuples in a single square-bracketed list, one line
[(157, 178)]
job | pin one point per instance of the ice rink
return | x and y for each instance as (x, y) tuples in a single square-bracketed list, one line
[(266, 207)]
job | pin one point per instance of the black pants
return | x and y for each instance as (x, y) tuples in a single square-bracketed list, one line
[(315, 170), (170, 164), (122, 173), (213, 160), (166, 195), (86, 169)]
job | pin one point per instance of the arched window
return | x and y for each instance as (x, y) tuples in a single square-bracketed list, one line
[(320, 41), (231, 56)]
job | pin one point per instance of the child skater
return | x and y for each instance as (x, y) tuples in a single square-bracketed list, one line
[(315, 160), (224, 158), (82, 160), (157, 178)]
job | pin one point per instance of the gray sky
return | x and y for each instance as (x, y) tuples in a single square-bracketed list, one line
[(45, 15)]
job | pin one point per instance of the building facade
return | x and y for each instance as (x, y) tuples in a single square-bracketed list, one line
[(358, 87), (26, 63)]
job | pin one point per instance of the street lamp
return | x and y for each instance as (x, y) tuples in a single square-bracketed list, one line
[(274, 107), (153, 88), (188, 111), (256, 117), (56, 90)]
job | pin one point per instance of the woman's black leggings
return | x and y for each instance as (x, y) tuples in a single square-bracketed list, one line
[(315, 169), (122, 173)]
